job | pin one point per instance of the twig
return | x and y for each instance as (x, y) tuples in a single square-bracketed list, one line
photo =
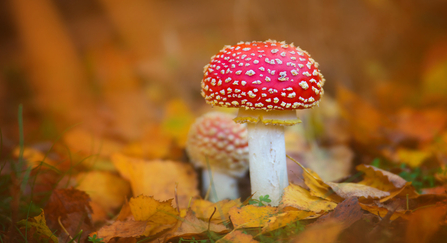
[(63, 228)]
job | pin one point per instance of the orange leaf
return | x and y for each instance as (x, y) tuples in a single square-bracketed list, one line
[(251, 216)]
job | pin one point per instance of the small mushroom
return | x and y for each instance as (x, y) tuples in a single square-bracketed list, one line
[(215, 141), (267, 81)]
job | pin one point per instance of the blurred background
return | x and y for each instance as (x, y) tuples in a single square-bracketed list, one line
[(127, 73)]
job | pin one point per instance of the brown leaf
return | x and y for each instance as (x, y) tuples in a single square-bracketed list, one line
[(73, 209), (382, 211), (424, 223), (346, 213), (326, 232), (380, 179)]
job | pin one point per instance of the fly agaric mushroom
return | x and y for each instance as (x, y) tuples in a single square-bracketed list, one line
[(216, 139), (267, 81)]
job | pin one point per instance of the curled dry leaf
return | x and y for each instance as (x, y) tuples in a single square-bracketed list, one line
[(122, 229), (204, 209), (318, 187), (347, 190), (300, 198), (107, 191), (382, 211), (251, 216), (158, 178), (380, 179)]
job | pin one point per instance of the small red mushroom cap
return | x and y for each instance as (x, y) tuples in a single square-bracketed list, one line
[(266, 76), (217, 138)]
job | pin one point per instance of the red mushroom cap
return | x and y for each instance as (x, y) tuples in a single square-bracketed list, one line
[(217, 138), (266, 75)]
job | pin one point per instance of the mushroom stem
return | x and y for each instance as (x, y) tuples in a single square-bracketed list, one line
[(225, 186), (268, 167)]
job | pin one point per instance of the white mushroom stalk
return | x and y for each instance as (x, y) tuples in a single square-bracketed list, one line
[(267, 151), (219, 185)]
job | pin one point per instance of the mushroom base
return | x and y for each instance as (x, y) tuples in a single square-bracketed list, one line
[(268, 167), (281, 118)]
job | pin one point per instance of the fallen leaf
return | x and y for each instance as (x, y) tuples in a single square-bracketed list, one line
[(347, 190), (283, 219), (86, 143), (34, 157), (300, 198), (346, 213), (192, 226), (158, 178), (122, 229), (424, 223), (381, 211), (237, 236), (316, 185), (105, 189), (158, 215), (204, 209), (326, 232), (412, 158), (71, 207), (380, 179), (40, 225), (251, 216), (407, 191)]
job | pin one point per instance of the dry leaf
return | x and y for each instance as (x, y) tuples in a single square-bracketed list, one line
[(86, 143), (346, 213), (283, 219), (412, 158), (34, 157), (177, 120), (237, 236), (204, 209), (251, 216), (106, 190), (380, 179), (122, 229), (40, 225), (154, 144), (424, 223), (347, 190), (381, 211), (316, 185), (300, 198), (158, 178), (192, 226), (326, 232), (158, 215)]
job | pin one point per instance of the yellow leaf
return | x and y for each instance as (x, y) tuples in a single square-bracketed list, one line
[(158, 215), (284, 219), (154, 144), (145, 208), (158, 178), (316, 185), (347, 190), (381, 212), (300, 198), (34, 157), (105, 189), (236, 236), (204, 209), (380, 179), (191, 225), (413, 158), (251, 216), (40, 224)]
